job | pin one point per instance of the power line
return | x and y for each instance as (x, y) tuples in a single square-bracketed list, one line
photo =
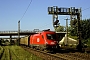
[(86, 9), (26, 9)]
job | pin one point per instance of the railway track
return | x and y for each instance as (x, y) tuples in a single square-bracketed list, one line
[(16, 53), (5, 54), (59, 56), (43, 55), (8, 54), (1, 53), (82, 56), (13, 56)]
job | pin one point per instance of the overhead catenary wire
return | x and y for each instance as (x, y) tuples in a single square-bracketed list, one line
[(18, 41), (86, 9), (26, 10)]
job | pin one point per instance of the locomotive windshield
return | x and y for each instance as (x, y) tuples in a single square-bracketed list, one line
[(51, 36)]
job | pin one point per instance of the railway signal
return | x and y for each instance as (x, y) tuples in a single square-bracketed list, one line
[(73, 12), (56, 22)]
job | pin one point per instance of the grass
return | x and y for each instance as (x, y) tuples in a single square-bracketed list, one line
[(5, 54), (1, 50), (22, 54), (18, 53)]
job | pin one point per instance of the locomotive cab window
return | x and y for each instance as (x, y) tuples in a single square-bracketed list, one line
[(51, 36)]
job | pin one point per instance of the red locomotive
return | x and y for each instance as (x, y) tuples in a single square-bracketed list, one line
[(44, 40)]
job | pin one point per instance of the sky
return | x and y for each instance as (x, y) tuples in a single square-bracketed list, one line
[(36, 17)]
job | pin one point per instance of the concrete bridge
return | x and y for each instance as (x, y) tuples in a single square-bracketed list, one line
[(15, 33), (27, 32)]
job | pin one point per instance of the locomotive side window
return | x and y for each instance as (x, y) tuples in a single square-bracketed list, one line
[(51, 36)]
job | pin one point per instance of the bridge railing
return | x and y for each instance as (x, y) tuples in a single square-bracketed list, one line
[(8, 31), (27, 31)]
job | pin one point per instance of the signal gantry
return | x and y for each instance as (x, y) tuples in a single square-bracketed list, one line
[(74, 13)]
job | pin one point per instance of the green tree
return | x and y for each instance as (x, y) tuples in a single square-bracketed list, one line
[(73, 24), (60, 29), (69, 28), (85, 28)]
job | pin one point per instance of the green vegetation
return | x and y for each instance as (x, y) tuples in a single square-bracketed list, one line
[(4, 42), (60, 29), (1, 50), (84, 29), (74, 37), (22, 54), (6, 54), (88, 43), (17, 53)]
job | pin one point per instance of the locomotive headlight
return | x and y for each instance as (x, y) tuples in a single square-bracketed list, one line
[(52, 43), (56, 42), (46, 42)]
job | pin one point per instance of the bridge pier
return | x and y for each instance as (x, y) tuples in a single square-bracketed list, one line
[(10, 39), (0, 41)]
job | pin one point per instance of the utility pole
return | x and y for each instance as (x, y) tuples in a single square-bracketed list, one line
[(18, 32), (67, 29)]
